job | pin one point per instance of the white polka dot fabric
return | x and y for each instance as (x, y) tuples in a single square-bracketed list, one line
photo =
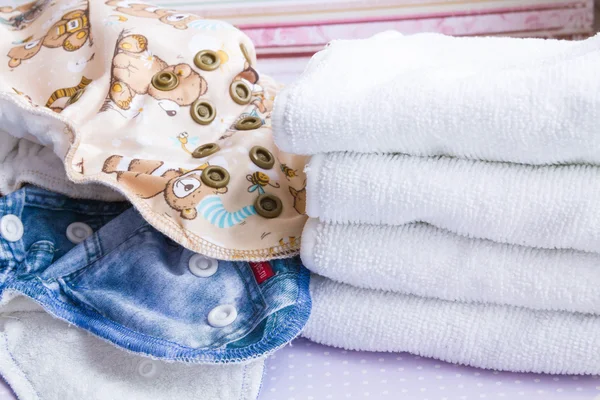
[(309, 371)]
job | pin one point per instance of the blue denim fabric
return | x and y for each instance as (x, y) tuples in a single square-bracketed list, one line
[(131, 285)]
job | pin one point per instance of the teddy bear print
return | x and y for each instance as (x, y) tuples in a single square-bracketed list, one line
[(71, 32), (250, 76), (24, 14), (133, 69), (183, 191), (170, 17)]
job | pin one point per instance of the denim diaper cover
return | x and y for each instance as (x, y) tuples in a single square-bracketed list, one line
[(101, 267)]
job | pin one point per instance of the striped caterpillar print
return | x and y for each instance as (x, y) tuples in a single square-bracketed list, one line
[(68, 92), (213, 210)]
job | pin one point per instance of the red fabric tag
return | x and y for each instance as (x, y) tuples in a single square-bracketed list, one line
[(262, 271)]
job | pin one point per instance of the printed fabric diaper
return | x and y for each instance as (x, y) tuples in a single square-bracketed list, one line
[(165, 107), (102, 267)]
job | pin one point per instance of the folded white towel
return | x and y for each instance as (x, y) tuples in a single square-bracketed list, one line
[(538, 206), (486, 336), (522, 100), (430, 262)]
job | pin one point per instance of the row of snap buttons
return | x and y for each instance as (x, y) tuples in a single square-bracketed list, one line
[(203, 112), (12, 230), (205, 267), (266, 205)]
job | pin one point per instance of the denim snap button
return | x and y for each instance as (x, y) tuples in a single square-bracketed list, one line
[(202, 266), (148, 368), (11, 228), (77, 232), (222, 315)]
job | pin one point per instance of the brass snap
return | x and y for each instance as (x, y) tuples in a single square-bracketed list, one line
[(215, 177), (207, 60), (205, 150), (76, 96), (203, 112), (240, 92), (245, 53), (262, 157), (165, 80), (248, 123), (268, 205)]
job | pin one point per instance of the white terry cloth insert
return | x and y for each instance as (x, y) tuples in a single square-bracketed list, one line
[(426, 261), (530, 101), (481, 335), (23, 161), (536, 206), (43, 358)]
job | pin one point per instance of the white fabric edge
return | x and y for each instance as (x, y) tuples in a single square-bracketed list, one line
[(312, 185)]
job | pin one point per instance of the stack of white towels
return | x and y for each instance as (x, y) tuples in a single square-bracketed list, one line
[(454, 196)]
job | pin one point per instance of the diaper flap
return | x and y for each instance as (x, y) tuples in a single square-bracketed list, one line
[(126, 93)]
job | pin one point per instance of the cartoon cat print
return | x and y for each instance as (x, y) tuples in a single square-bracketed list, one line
[(175, 19), (133, 69), (70, 33)]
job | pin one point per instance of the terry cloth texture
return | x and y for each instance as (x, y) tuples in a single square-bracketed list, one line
[(426, 261), (538, 206), (43, 358), (528, 101), (481, 335)]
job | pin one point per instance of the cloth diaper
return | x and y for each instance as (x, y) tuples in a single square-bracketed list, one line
[(44, 358), (102, 267), (164, 107), (23, 161)]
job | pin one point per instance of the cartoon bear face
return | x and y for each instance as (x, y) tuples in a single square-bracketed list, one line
[(178, 20), (24, 52), (133, 73), (184, 193), (191, 86), (70, 33)]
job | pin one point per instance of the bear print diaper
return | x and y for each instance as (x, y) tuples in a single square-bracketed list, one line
[(165, 107)]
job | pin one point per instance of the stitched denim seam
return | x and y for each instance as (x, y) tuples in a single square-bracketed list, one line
[(296, 320)]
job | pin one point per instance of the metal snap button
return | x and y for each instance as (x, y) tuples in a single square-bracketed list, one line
[(215, 177), (245, 53), (222, 315), (11, 228), (268, 205), (240, 92), (207, 60), (202, 266), (148, 368), (73, 99), (262, 157), (165, 80), (248, 123), (77, 232), (203, 112), (205, 150)]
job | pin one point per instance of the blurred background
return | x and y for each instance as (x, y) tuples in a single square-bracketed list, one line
[(287, 32)]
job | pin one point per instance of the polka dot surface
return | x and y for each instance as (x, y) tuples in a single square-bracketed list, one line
[(308, 371)]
